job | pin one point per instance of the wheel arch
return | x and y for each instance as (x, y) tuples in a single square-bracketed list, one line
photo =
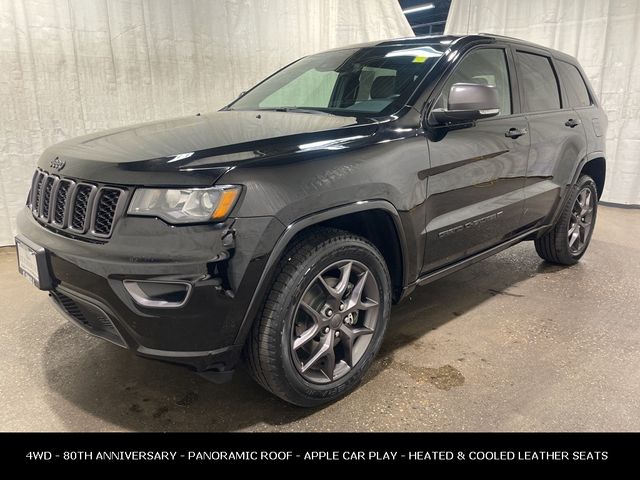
[(594, 165), (362, 218)]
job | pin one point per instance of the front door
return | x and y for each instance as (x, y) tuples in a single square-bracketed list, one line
[(477, 174)]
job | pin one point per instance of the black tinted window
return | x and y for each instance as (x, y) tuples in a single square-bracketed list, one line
[(577, 92), (539, 82), (485, 66)]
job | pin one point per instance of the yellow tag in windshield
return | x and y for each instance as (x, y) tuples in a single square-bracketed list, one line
[(419, 59)]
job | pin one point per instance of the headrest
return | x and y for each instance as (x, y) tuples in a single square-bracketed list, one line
[(383, 87)]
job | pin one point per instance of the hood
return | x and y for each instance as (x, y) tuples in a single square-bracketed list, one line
[(197, 150)]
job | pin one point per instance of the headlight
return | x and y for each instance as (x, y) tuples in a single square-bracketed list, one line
[(185, 205)]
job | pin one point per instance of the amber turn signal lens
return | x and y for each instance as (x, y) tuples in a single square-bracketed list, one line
[(226, 203)]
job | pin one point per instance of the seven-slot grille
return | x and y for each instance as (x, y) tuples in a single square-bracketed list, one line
[(79, 207)]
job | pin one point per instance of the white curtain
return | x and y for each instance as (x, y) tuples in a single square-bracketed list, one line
[(605, 37), (70, 67)]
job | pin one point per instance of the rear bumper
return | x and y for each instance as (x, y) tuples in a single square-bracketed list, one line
[(221, 264)]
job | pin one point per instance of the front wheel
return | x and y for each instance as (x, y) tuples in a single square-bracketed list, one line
[(324, 319), (567, 241)]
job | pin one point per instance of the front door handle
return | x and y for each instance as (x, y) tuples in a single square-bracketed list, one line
[(515, 132), (572, 123)]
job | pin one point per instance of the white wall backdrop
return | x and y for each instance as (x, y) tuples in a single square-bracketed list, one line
[(69, 67), (605, 36)]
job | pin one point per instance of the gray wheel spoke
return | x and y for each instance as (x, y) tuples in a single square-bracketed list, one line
[(356, 293), (326, 287), (329, 366), (586, 205), (307, 335), (322, 350), (343, 283), (349, 336), (318, 321), (367, 304), (337, 292), (582, 199), (313, 313), (573, 229), (574, 236)]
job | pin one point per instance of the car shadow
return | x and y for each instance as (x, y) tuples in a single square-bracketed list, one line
[(133, 393)]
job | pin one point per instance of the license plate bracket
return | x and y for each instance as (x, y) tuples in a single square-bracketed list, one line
[(33, 263)]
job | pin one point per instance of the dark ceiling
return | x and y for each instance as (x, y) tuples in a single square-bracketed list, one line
[(427, 22)]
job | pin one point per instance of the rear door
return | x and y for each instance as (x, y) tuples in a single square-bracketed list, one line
[(576, 92), (477, 174), (557, 135)]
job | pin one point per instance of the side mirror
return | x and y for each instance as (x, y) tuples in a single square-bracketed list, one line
[(468, 102)]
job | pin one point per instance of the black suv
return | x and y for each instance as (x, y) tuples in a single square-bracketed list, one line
[(284, 226)]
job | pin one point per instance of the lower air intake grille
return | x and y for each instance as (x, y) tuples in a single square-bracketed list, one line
[(88, 316)]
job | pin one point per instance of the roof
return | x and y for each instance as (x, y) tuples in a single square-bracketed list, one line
[(461, 40)]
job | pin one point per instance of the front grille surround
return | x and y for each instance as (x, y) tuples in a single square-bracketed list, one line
[(107, 201), (82, 209), (61, 203)]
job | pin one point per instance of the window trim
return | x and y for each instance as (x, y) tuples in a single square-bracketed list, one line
[(511, 75), (541, 53)]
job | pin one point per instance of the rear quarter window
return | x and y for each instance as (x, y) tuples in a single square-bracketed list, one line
[(577, 92)]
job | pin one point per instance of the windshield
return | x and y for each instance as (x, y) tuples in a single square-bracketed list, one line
[(373, 81)]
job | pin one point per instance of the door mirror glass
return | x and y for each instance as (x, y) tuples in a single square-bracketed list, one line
[(468, 102)]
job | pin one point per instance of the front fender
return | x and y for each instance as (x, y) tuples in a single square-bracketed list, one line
[(296, 227)]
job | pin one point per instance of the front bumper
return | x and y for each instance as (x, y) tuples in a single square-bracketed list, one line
[(221, 263)]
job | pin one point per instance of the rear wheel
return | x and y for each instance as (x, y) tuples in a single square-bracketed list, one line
[(324, 319), (568, 240)]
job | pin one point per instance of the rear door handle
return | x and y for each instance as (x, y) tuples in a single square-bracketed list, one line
[(515, 132), (572, 123)]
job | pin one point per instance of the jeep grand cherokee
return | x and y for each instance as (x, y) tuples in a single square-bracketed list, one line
[(282, 227)]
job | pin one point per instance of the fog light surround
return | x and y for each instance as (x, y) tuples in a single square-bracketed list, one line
[(159, 293)]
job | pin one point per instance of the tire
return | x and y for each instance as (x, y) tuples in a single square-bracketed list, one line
[(302, 313), (566, 242)]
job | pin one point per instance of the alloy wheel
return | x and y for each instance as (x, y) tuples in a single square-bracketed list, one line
[(334, 321), (581, 221)]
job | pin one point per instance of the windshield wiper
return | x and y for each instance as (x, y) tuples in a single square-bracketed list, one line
[(297, 110)]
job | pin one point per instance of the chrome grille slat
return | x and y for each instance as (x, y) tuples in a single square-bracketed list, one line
[(83, 209)]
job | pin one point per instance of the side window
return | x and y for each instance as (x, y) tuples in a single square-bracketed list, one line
[(539, 83), (577, 92), (486, 66)]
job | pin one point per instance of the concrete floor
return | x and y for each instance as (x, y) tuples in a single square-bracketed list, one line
[(511, 343)]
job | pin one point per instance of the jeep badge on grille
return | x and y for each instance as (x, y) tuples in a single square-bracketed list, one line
[(57, 164)]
